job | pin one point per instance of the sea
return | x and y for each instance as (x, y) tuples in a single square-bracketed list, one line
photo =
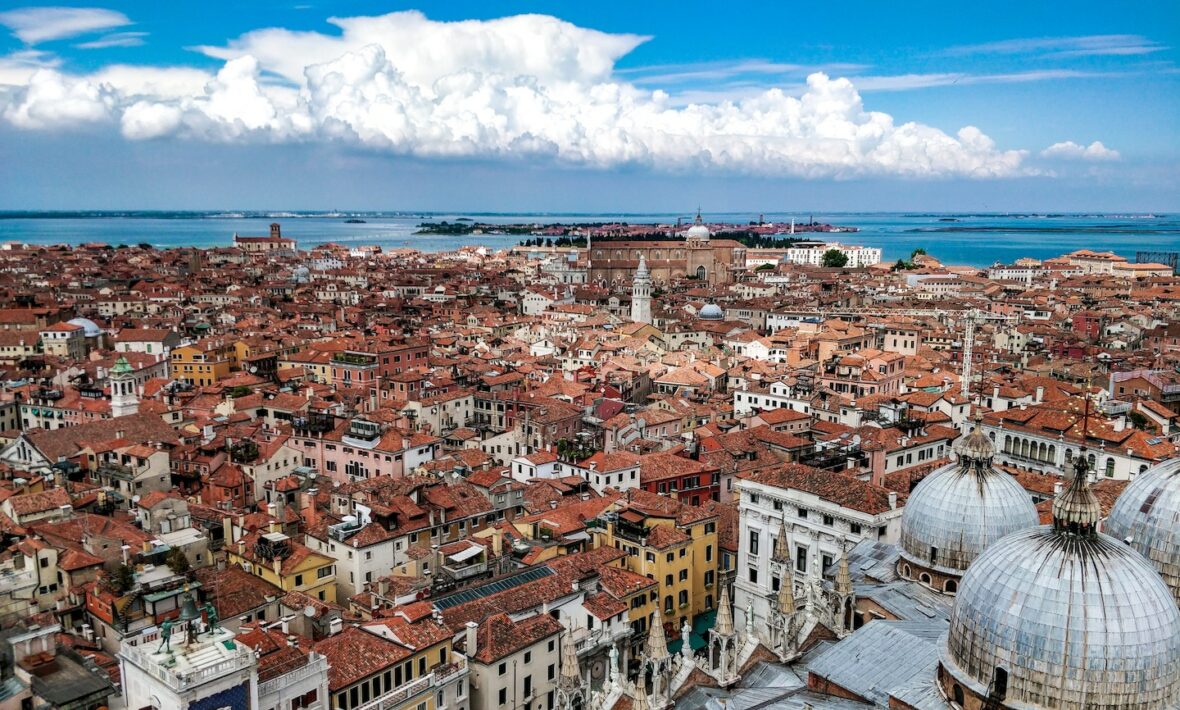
[(980, 239)]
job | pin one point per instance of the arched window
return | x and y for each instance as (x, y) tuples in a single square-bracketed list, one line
[(999, 683), (701, 273), (668, 605), (957, 694), (950, 587), (1052, 453), (1109, 467), (924, 578), (1068, 455), (1007, 443)]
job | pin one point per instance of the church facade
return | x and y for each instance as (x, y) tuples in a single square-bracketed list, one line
[(714, 261)]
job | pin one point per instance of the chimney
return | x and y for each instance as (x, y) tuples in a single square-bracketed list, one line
[(1057, 489), (893, 500), (286, 625), (470, 635), (126, 553), (1040, 394), (335, 626)]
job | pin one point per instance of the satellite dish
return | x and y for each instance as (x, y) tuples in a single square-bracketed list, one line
[(309, 611), (253, 369), (135, 499)]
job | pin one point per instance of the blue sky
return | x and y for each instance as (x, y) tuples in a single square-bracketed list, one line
[(594, 106)]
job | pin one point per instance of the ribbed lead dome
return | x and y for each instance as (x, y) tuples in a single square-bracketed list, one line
[(959, 510), (1148, 514), (1064, 617)]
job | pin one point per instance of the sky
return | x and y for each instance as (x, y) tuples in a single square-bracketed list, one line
[(652, 106)]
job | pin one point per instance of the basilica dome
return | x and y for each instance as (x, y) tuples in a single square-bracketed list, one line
[(90, 328), (1147, 517), (698, 231), (1062, 616), (956, 512), (711, 311)]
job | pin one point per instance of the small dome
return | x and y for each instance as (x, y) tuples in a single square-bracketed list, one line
[(89, 327), (957, 512), (712, 311), (698, 230), (1147, 514), (1065, 617)]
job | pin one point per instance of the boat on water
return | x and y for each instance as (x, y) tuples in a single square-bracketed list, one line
[(354, 220)]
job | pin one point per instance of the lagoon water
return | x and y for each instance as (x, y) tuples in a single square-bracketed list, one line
[(971, 239)]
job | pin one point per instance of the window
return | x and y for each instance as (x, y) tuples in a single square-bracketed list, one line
[(528, 656), (683, 575), (754, 575), (503, 695), (854, 528), (829, 521), (668, 580), (298, 580), (801, 559), (753, 543), (502, 670), (552, 672), (802, 513), (708, 553), (528, 686)]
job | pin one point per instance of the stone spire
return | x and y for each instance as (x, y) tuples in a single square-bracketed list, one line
[(844, 577), (975, 451), (782, 551), (639, 701), (571, 693), (724, 624), (1076, 510), (786, 595), (657, 645), (571, 673)]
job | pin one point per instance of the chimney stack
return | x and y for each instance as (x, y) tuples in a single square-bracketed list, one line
[(470, 635)]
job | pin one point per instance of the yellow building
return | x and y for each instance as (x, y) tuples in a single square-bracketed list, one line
[(287, 564), (674, 544), (205, 362)]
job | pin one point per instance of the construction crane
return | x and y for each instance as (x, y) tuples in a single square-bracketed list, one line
[(970, 318)]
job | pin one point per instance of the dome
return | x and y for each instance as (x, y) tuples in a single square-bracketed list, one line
[(711, 311), (1147, 514), (90, 328), (698, 230), (956, 512), (1062, 616)]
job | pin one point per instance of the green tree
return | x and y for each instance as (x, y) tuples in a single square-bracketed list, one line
[(176, 561), (917, 252), (122, 579), (834, 259), (1138, 420), (764, 267)]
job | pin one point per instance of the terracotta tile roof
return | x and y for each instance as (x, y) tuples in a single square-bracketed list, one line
[(500, 636), (841, 489), (354, 655)]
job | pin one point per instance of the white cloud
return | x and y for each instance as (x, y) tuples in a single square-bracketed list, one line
[(1074, 151), (1065, 47), (33, 25), (520, 87), (115, 39)]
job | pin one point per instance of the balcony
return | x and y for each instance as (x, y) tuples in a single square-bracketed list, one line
[(398, 697), (316, 665), (192, 675), (587, 640)]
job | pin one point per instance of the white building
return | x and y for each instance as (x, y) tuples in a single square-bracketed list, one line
[(823, 515), (858, 256), (618, 469), (777, 396), (194, 667)]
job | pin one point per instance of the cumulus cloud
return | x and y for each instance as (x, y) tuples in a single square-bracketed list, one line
[(33, 25), (523, 87), (1074, 151)]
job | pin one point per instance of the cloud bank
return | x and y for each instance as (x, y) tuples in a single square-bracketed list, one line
[(1074, 151), (524, 87)]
